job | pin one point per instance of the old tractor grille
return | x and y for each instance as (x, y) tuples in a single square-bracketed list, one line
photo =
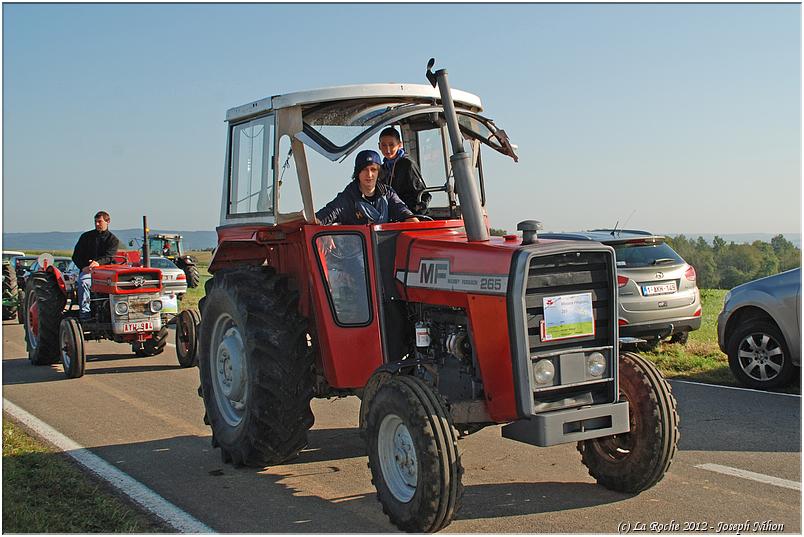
[(564, 274), (561, 270)]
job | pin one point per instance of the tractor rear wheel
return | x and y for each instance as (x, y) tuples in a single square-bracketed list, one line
[(153, 346), (193, 277), (73, 357), (636, 460), (413, 455), (187, 337), (10, 289), (44, 304), (256, 366)]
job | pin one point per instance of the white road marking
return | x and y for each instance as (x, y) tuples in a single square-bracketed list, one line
[(745, 474), (151, 501), (734, 388)]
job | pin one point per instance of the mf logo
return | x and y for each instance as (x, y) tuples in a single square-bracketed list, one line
[(433, 271)]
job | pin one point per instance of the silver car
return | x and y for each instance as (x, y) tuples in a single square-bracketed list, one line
[(174, 283), (760, 330), (658, 296)]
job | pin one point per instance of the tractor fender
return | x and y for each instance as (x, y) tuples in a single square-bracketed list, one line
[(380, 376), (187, 260), (59, 278)]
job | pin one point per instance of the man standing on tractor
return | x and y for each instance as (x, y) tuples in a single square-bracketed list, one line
[(401, 173), (95, 247)]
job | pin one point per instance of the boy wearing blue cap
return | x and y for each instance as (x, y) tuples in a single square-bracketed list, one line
[(364, 200)]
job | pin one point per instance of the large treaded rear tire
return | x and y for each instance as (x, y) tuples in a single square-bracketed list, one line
[(10, 290), (256, 366), (413, 455), (193, 277), (44, 298), (637, 460)]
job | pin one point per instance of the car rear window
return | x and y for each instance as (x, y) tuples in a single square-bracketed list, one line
[(645, 255)]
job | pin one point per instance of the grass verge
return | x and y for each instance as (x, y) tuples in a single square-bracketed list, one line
[(45, 493)]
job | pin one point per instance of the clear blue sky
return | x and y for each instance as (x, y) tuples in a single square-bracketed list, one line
[(689, 115)]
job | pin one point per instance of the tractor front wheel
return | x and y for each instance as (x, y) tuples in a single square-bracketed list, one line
[(256, 366), (73, 357), (636, 460), (44, 304), (186, 337), (413, 455)]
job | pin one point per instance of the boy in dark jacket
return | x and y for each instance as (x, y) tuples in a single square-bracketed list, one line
[(401, 173), (364, 200)]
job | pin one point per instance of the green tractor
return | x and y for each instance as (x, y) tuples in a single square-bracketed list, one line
[(169, 245)]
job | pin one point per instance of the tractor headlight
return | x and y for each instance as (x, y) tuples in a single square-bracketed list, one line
[(156, 306), (596, 364), (544, 371), (121, 308)]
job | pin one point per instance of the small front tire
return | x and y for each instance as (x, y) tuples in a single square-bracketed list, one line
[(187, 337), (413, 455), (71, 339), (637, 460)]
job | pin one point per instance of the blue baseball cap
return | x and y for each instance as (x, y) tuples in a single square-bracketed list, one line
[(366, 158)]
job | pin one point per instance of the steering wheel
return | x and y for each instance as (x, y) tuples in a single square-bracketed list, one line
[(424, 217)]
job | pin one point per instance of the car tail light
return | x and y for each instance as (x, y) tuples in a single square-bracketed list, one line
[(690, 274), (697, 312), (621, 281), (622, 322), (181, 276)]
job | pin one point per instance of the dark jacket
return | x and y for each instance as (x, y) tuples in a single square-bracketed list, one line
[(351, 207), (403, 175), (95, 246)]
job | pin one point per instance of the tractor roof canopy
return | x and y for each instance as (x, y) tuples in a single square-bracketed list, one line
[(270, 136)]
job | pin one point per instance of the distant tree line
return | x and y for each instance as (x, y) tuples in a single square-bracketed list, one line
[(724, 265)]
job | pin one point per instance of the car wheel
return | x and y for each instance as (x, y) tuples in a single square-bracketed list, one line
[(759, 356)]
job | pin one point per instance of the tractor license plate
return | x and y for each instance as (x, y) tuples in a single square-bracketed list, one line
[(659, 289), (142, 326)]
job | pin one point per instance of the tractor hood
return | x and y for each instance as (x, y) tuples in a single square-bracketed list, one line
[(443, 260)]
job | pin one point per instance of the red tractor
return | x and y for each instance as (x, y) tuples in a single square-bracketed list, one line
[(126, 307), (437, 327)]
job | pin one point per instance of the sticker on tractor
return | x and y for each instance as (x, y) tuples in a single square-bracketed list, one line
[(436, 274), (567, 316)]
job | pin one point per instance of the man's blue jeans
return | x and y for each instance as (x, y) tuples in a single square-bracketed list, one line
[(82, 287)]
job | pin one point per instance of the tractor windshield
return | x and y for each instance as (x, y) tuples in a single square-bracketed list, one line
[(163, 246)]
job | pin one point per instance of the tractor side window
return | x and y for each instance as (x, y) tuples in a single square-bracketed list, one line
[(433, 164), (251, 185), (342, 260)]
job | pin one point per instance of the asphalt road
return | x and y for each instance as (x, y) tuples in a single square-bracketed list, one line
[(143, 415)]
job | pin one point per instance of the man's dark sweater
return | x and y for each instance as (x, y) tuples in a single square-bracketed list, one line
[(96, 246)]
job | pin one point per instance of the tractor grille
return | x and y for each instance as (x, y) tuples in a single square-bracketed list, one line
[(564, 274), (559, 274)]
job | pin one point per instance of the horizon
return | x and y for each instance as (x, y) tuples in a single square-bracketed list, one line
[(670, 113)]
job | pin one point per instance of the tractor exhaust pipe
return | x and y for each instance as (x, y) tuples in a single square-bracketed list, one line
[(461, 161), (146, 248)]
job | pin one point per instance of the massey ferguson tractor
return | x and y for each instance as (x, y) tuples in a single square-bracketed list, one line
[(126, 307), (437, 327)]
